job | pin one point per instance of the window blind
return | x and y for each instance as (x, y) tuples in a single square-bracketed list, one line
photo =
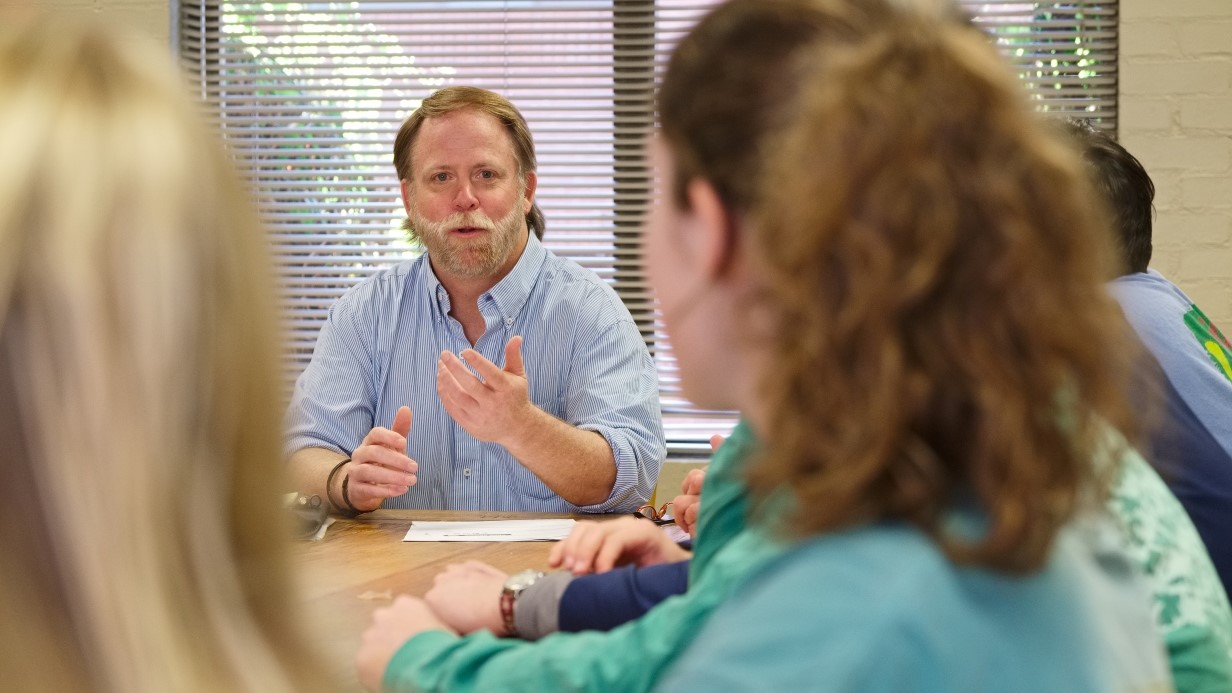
[(310, 95)]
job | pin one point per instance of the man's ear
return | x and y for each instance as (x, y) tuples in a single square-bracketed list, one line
[(405, 186), (716, 242), (532, 182)]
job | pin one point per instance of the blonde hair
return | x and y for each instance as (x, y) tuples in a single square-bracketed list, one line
[(139, 402), (933, 275)]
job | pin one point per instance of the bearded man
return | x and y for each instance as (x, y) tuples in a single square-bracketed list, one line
[(404, 404)]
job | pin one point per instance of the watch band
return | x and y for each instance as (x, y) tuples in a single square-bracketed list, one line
[(506, 606)]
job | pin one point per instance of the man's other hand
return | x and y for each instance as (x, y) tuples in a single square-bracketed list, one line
[(379, 467)]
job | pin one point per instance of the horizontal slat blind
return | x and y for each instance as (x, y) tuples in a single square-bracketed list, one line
[(310, 95)]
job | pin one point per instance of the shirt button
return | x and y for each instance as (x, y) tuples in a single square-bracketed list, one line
[(508, 321), (466, 473)]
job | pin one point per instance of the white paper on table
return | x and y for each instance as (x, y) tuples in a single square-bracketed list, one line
[(490, 530)]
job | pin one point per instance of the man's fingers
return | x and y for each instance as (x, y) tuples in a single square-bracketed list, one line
[(379, 474), (455, 402), (385, 438), (453, 377), (361, 492), (716, 441), (490, 372), (384, 457), (513, 357), (402, 423)]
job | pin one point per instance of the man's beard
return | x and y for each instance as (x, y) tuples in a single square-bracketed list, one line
[(476, 257)]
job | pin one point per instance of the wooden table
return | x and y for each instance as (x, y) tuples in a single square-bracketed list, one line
[(362, 564)]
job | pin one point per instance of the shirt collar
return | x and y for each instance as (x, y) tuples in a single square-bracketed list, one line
[(510, 293)]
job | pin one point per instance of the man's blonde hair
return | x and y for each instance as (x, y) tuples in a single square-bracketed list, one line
[(139, 409)]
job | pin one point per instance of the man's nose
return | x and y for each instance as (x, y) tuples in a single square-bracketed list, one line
[(464, 199)]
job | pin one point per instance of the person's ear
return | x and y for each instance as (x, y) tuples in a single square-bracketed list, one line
[(405, 186), (715, 242), (532, 182)]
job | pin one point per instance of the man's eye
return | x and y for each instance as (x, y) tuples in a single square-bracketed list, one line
[(487, 175), (440, 177)]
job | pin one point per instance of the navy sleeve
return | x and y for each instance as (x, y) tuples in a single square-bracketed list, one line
[(607, 600)]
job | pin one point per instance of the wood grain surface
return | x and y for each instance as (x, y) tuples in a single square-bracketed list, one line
[(362, 564)]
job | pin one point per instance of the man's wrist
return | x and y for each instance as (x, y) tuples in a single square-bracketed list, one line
[(530, 428)]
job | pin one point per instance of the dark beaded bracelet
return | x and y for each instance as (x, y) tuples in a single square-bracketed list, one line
[(329, 485), (346, 496)]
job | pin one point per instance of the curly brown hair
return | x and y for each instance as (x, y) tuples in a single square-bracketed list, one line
[(932, 272)]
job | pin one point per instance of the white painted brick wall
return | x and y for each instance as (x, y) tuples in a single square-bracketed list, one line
[(1176, 116)]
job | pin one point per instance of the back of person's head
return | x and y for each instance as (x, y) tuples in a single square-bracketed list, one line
[(732, 79), (1126, 189), (458, 98), (925, 258), (139, 386)]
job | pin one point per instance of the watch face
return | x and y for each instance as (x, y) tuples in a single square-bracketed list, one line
[(520, 581)]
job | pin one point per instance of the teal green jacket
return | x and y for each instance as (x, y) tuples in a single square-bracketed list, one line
[(629, 658), (880, 609), (1193, 617)]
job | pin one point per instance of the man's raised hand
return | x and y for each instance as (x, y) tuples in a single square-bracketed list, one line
[(490, 409)]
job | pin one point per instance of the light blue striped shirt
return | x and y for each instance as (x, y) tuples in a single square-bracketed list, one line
[(585, 361)]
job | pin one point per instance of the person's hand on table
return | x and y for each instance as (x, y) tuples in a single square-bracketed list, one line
[(600, 546), (391, 627), (379, 467), (466, 597)]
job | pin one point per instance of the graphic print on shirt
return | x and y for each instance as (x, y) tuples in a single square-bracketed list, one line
[(1211, 339)]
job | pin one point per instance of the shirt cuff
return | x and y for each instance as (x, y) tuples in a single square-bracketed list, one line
[(631, 487), (536, 613)]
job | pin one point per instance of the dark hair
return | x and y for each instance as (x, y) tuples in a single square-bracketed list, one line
[(1126, 188), (457, 98)]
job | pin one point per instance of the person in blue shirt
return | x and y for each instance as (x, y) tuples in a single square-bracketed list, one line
[(528, 383), (1192, 445)]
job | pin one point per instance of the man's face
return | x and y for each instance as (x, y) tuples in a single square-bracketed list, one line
[(465, 198)]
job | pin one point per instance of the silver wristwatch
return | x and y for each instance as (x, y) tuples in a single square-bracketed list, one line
[(514, 585)]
